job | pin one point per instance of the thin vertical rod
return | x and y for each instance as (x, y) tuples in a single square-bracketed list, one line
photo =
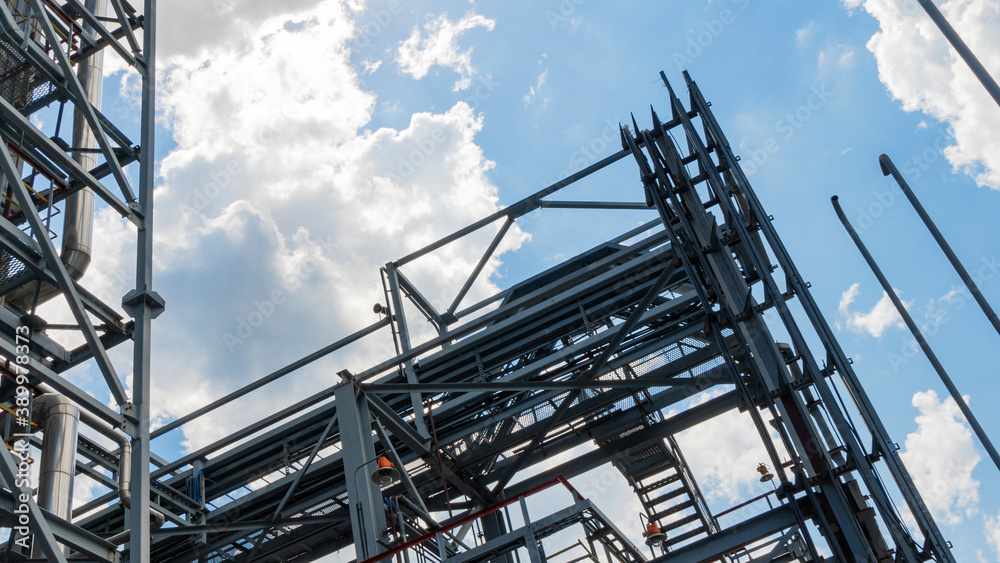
[(945, 378), (889, 168), (143, 312), (970, 59)]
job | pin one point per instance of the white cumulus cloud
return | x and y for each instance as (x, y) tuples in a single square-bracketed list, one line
[(921, 70), (418, 53), (991, 528), (876, 321), (278, 202), (941, 456)]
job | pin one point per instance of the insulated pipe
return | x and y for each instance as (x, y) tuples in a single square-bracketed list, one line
[(78, 224), (124, 446), (59, 420), (50, 405), (124, 455), (78, 221)]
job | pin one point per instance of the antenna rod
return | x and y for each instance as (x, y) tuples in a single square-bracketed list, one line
[(955, 394), (963, 50), (889, 168)]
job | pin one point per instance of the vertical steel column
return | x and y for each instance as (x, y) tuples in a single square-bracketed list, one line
[(142, 303), (404, 343), (358, 450)]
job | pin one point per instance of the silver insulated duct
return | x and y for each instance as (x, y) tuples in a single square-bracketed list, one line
[(60, 422), (78, 222)]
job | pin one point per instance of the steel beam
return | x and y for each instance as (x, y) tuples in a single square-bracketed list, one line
[(143, 304), (729, 539), (366, 509)]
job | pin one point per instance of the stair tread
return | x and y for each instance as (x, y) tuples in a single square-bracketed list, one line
[(674, 509), (667, 496), (678, 523)]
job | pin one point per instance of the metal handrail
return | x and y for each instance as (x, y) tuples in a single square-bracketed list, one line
[(559, 479)]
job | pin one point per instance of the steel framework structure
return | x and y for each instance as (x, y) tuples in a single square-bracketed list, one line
[(587, 354), (42, 43)]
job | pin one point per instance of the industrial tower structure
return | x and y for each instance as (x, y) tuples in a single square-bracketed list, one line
[(51, 58), (431, 454)]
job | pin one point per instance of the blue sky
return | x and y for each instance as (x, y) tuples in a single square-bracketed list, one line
[(287, 132)]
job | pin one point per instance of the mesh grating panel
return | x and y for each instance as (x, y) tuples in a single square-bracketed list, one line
[(20, 83)]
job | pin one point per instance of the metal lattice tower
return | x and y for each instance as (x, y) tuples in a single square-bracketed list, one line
[(591, 354), (51, 56)]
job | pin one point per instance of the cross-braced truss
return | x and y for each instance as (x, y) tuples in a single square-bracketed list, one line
[(612, 353), (42, 46)]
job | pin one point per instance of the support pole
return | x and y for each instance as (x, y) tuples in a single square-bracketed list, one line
[(143, 304), (963, 50), (915, 330), (889, 168), (358, 449)]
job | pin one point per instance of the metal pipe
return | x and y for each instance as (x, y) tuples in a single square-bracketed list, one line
[(78, 221), (956, 41), (124, 446), (124, 455), (59, 420), (889, 168), (919, 337), (156, 521)]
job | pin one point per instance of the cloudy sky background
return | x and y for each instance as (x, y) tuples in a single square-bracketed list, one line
[(305, 143)]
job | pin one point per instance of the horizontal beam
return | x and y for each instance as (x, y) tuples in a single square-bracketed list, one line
[(629, 205), (734, 537), (471, 386), (522, 207), (273, 376), (251, 525)]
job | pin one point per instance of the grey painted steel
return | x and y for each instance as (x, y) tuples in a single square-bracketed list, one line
[(403, 334), (273, 376), (480, 265), (949, 384), (78, 220), (591, 373), (514, 386), (66, 283), (799, 435), (733, 295), (515, 210), (77, 180), (882, 441), (88, 110), (552, 330), (970, 59), (366, 510), (889, 168), (82, 541), (143, 304), (37, 521), (731, 538)]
